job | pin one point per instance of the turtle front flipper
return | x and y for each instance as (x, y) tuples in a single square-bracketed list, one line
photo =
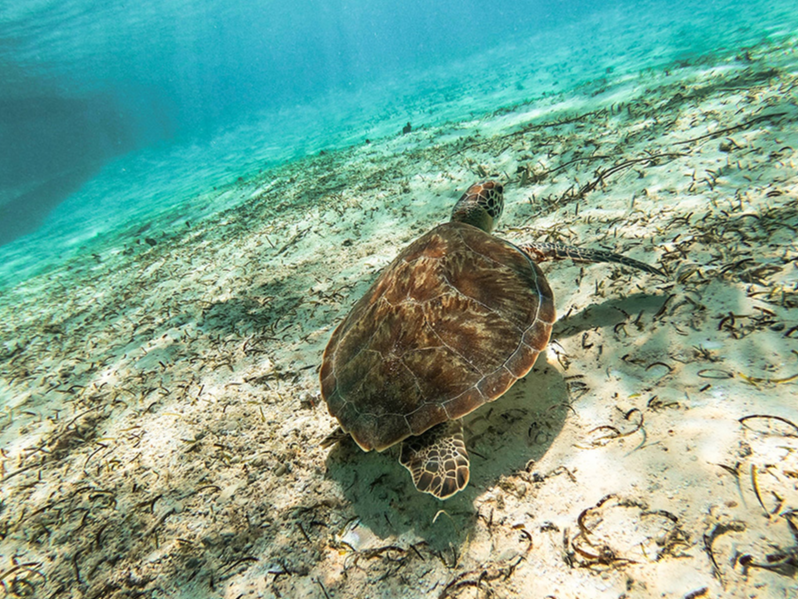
[(438, 459), (540, 252)]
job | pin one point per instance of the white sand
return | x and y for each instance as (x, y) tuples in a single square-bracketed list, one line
[(161, 424)]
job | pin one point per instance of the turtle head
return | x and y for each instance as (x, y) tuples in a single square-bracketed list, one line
[(481, 205)]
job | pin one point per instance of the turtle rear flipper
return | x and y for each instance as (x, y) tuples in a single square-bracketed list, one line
[(438, 459), (334, 437), (540, 252)]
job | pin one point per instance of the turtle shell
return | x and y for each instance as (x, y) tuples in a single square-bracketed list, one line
[(449, 325)]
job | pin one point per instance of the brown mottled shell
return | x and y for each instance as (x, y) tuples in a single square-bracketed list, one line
[(449, 325)]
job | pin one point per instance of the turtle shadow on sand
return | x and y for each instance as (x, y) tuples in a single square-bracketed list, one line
[(503, 438), (610, 312)]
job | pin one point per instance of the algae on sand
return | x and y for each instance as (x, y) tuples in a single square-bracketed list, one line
[(161, 422)]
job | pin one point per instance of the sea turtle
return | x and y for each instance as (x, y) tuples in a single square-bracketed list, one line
[(449, 325)]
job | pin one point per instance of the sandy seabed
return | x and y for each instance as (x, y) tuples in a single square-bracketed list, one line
[(161, 420)]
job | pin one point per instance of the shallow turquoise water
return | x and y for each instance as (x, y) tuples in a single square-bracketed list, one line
[(205, 94)]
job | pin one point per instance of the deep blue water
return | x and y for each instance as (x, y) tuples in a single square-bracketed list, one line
[(112, 109)]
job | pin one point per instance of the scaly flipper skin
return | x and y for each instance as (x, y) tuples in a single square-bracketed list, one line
[(438, 460), (540, 252)]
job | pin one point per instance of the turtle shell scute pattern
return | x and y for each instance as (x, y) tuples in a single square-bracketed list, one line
[(449, 325)]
